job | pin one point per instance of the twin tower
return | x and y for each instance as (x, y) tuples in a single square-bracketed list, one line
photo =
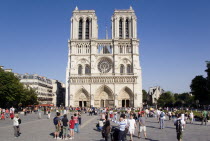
[(103, 72)]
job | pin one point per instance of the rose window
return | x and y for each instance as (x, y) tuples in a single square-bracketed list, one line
[(105, 65)]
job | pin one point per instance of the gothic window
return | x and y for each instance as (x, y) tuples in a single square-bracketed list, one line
[(122, 69), (80, 69), (120, 28), (129, 69), (105, 65), (80, 29), (87, 29), (127, 28), (121, 49), (87, 69), (128, 49)]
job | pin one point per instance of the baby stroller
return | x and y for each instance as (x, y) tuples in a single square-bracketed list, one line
[(114, 133)]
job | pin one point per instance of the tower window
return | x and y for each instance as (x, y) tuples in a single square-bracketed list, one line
[(80, 69), (120, 28), (80, 29), (87, 29), (129, 69), (122, 69), (127, 28), (87, 69)]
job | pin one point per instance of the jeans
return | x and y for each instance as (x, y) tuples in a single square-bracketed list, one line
[(204, 120), (65, 131), (76, 127), (121, 136), (162, 123), (16, 131)]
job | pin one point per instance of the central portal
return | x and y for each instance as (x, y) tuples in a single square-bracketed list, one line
[(104, 97)]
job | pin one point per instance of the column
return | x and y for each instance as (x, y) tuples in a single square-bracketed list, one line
[(129, 23), (123, 28), (71, 29), (116, 25), (83, 28), (112, 27), (90, 28)]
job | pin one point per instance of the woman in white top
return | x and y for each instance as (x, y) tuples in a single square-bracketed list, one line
[(16, 125), (132, 126), (191, 117)]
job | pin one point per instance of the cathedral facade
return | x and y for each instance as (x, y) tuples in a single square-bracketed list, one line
[(103, 72)]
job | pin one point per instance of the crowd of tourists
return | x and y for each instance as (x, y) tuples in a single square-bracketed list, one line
[(114, 124), (129, 121)]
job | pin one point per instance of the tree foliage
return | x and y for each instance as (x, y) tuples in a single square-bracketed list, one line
[(166, 99), (199, 89), (144, 96), (12, 92)]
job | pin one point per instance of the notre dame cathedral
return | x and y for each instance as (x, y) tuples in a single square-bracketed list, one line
[(103, 72)]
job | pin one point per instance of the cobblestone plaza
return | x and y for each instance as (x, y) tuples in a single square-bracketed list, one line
[(34, 129)]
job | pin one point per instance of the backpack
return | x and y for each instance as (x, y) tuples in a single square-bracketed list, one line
[(178, 126), (55, 120), (161, 114), (19, 121)]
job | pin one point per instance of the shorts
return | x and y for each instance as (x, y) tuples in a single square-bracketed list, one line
[(71, 129), (179, 136), (142, 128), (131, 131), (57, 128)]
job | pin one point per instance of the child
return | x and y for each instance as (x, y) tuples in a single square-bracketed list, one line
[(2, 116), (71, 126)]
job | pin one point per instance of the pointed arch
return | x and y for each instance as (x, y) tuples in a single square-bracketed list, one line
[(122, 69), (127, 28), (80, 29), (120, 28), (80, 69), (87, 29)]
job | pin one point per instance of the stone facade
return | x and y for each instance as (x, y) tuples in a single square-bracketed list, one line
[(42, 85), (103, 72), (154, 94)]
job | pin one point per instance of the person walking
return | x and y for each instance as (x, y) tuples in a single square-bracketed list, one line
[(132, 126), (204, 117), (16, 125), (179, 123), (48, 113), (76, 127), (106, 131), (71, 126), (122, 125), (65, 127), (191, 117), (162, 119), (57, 124), (142, 125)]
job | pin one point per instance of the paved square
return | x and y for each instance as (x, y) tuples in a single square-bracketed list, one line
[(34, 129)]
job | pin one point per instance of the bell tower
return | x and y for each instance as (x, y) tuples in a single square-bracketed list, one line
[(124, 24), (84, 25)]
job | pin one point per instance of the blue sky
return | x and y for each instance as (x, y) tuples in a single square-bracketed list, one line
[(174, 37)]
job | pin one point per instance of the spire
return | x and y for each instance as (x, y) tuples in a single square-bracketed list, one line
[(131, 8), (76, 8), (106, 33)]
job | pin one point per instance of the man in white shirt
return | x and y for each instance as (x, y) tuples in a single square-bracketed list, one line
[(16, 125), (132, 126), (179, 123)]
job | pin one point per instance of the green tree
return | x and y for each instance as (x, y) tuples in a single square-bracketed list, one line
[(12, 92), (199, 89), (144, 96), (166, 99)]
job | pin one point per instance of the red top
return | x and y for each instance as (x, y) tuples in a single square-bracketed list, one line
[(71, 124), (75, 119)]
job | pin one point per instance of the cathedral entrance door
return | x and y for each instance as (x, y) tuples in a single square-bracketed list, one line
[(102, 103)]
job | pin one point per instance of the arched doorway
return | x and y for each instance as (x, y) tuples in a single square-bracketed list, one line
[(82, 98), (125, 98), (104, 97)]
